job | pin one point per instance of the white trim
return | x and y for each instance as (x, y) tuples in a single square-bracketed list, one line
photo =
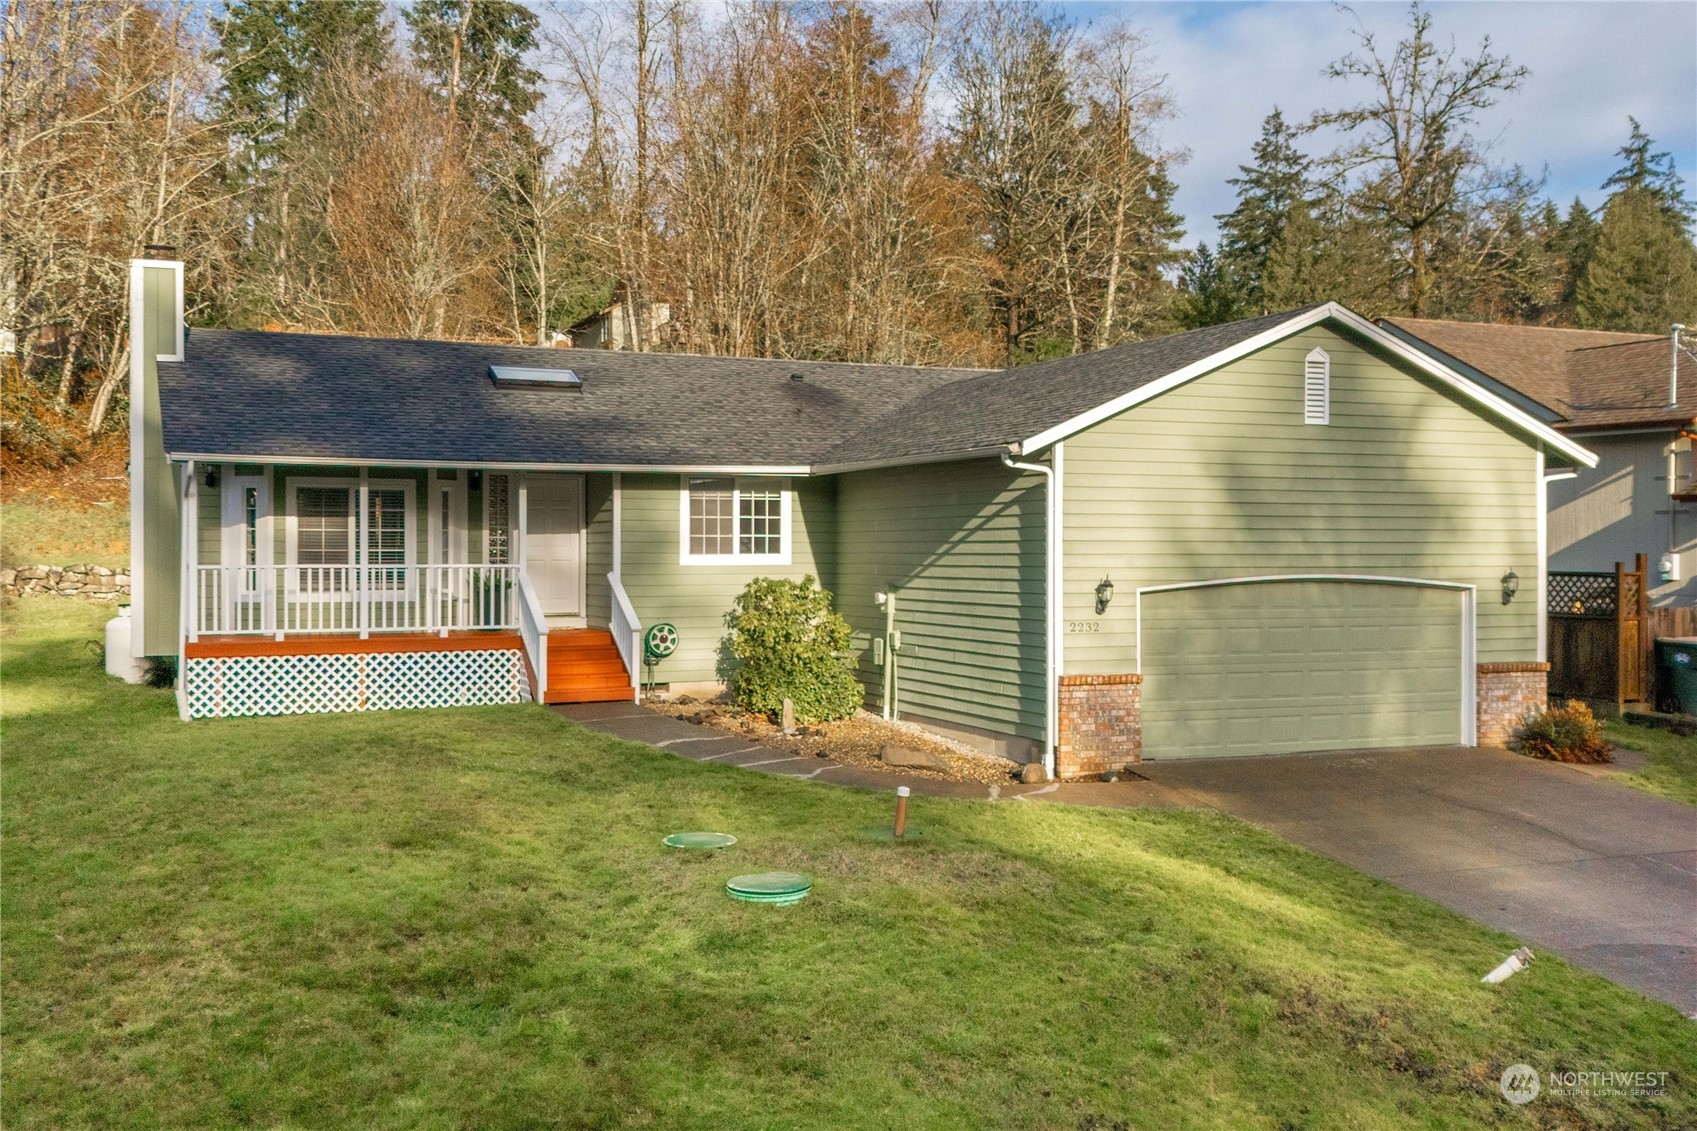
[(618, 524), (231, 516), (176, 267), (1317, 410), (736, 557), (357, 504), (520, 501), (1330, 311), (138, 461), (1052, 610), (992, 452), (186, 596), (1542, 588), (1469, 623), (798, 470), (458, 540)]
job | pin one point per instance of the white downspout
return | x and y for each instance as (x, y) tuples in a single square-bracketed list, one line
[(1673, 372), (1051, 609), (1545, 478)]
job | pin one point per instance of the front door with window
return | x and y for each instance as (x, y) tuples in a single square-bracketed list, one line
[(554, 542)]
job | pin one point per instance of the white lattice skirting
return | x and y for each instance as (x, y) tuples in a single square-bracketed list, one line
[(367, 681)]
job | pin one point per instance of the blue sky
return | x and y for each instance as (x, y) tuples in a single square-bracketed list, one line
[(1592, 65)]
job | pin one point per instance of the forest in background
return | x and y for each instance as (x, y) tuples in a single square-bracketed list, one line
[(915, 182)]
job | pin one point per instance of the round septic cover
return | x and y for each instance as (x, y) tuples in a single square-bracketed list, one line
[(699, 840), (770, 887)]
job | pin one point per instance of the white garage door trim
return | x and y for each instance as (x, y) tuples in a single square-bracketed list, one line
[(1469, 621)]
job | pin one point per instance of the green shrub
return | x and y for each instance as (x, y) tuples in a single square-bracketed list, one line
[(788, 640), (1568, 733)]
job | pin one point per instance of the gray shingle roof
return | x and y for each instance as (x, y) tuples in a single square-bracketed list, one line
[(1010, 405), (242, 393), (252, 393)]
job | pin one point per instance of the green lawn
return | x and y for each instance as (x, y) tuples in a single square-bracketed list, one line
[(1672, 771), (33, 532), (464, 919)]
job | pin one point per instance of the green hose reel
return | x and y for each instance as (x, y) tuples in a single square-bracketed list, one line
[(660, 641)]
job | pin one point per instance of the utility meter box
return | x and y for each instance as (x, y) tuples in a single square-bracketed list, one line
[(1670, 567)]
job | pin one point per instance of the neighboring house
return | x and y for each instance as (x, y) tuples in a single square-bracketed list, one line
[(1290, 533), (1613, 393), (615, 329)]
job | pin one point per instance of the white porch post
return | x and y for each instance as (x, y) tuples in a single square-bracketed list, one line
[(267, 556), (191, 551), (618, 524), (524, 516), (361, 613)]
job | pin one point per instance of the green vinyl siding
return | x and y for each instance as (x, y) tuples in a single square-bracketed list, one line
[(156, 548), (961, 547), (697, 597), (209, 532), (598, 517), (1283, 667), (1221, 478)]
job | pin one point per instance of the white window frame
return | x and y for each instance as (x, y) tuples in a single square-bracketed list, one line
[(736, 557), (292, 525), (458, 541), (1322, 414), (234, 527)]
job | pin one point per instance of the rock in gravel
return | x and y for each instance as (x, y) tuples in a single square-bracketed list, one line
[(1032, 774), (908, 757)]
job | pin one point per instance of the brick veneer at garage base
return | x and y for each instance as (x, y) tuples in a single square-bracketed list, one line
[(1101, 724), (1507, 694), (1101, 716)]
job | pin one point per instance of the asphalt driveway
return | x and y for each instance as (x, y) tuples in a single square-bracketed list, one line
[(1565, 860)]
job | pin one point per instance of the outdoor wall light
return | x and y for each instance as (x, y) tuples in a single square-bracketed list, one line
[(1104, 594), (474, 480), (212, 477), (1511, 586)]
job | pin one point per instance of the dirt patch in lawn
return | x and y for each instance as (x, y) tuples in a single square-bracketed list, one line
[(854, 741)]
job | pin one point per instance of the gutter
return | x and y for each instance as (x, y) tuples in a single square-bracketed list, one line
[(1051, 606)]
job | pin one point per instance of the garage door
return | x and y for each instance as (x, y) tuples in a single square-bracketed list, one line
[(1282, 667)]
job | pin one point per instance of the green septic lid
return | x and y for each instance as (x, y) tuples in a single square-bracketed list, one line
[(699, 840), (770, 887)]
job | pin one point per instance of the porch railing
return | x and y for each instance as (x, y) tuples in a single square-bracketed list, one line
[(534, 628), (278, 600), (627, 633)]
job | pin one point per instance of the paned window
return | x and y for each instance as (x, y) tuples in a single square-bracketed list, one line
[(726, 520)]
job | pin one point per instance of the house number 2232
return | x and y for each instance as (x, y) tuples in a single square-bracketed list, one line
[(1084, 626)]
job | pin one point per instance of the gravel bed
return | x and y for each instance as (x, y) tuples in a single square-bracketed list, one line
[(853, 741)]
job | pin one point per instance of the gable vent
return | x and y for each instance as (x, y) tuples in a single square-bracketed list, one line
[(507, 376), (1317, 388)]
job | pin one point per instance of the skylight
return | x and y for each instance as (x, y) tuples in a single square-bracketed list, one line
[(508, 375)]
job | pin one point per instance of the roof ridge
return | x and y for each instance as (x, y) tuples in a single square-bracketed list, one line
[(570, 352)]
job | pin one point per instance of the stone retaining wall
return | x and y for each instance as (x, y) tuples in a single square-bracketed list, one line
[(90, 582)]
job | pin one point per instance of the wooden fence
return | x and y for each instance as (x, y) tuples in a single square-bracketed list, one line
[(1601, 635)]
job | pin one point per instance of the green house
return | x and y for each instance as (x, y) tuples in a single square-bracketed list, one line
[(1291, 533)]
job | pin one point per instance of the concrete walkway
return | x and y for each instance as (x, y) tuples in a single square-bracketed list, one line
[(1561, 858)]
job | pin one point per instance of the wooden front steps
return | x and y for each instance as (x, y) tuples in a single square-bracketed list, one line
[(584, 667)]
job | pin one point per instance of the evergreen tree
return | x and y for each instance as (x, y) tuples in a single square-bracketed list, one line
[(1568, 241), (1266, 192), (1643, 273), (474, 54), (276, 57), (1209, 292), (1653, 173)]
